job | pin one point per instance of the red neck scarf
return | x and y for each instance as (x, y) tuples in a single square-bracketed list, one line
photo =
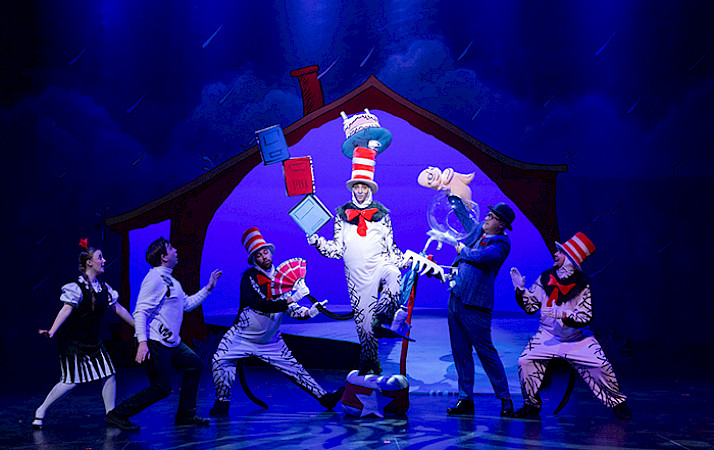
[(559, 289), (363, 214), (262, 280)]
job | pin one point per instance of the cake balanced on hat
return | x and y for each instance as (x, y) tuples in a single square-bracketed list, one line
[(363, 130)]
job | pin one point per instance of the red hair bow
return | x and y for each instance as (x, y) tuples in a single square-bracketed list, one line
[(83, 243)]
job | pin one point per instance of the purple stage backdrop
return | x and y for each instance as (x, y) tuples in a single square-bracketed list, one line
[(261, 200)]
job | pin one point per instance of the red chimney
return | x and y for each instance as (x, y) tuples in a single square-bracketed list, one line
[(312, 98)]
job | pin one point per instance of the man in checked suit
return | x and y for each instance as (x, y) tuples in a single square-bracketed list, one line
[(471, 306)]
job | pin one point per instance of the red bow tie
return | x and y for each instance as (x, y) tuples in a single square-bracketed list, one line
[(559, 289), (262, 279), (363, 214)]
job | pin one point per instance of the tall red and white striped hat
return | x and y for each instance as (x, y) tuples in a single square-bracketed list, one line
[(363, 168), (577, 248), (253, 241)]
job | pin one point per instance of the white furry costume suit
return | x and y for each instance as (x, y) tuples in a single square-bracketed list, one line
[(255, 332), (569, 338), (372, 265)]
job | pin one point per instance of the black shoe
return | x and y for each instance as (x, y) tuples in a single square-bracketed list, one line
[(193, 421), (115, 420), (37, 423), (527, 412), (622, 411), (506, 407), (330, 399), (462, 407), (220, 408)]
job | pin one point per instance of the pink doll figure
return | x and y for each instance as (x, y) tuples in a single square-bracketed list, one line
[(456, 183)]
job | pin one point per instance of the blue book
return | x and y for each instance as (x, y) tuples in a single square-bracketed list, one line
[(310, 214), (272, 145)]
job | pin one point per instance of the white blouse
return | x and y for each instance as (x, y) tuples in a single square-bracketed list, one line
[(72, 294)]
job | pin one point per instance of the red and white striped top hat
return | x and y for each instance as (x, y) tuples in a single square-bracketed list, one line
[(363, 168), (577, 248), (253, 241)]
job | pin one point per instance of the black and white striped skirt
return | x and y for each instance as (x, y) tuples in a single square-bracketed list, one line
[(85, 368)]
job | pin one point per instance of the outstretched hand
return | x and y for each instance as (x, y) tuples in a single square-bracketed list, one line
[(313, 311), (519, 281), (215, 275)]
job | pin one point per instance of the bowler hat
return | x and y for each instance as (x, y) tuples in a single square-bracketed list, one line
[(505, 213)]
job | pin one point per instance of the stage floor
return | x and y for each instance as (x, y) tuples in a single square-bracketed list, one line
[(671, 405), (669, 414), (430, 366)]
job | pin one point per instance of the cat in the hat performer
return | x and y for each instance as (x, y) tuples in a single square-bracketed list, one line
[(562, 294), (83, 358), (363, 239), (255, 331)]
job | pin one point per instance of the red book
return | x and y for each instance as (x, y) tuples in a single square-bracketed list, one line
[(299, 179)]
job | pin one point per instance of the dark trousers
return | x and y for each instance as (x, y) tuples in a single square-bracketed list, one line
[(470, 327), (159, 368)]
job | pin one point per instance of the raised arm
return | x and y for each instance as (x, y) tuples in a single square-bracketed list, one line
[(192, 301), (531, 299), (335, 248)]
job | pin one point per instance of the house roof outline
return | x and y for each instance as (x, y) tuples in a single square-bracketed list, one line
[(191, 207)]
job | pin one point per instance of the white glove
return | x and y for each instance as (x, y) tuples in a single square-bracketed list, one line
[(555, 312), (313, 239), (519, 281), (313, 311), (424, 265), (300, 289)]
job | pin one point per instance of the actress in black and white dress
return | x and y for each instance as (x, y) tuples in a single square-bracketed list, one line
[(83, 358)]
